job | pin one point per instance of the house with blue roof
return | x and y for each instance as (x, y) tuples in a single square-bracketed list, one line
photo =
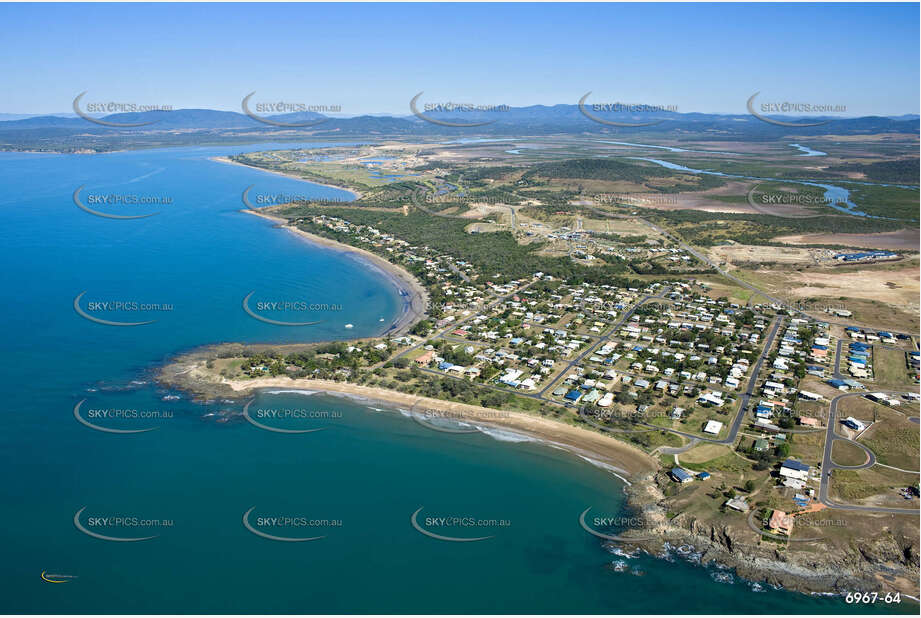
[(679, 475), (793, 469), (573, 396)]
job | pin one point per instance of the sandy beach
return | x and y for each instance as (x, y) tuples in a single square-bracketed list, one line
[(624, 459), (355, 194), (189, 372), (414, 295)]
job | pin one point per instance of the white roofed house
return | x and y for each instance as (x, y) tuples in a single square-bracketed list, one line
[(713, 427), (796, 470), (712, 399)]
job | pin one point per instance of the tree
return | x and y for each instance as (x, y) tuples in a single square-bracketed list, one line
[(749, 486)]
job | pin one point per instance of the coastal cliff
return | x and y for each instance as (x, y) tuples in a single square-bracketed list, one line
[(884, 561)]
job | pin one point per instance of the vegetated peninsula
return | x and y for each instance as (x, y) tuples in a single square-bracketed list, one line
[(758, 394)]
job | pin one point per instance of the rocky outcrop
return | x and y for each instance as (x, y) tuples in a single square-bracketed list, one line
[(885, 562)]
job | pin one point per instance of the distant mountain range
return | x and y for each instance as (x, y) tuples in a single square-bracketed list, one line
[(73, 132)]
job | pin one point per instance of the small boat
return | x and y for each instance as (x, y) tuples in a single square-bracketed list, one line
[(350, 326)]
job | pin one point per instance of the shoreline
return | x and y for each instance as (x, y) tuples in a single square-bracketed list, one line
[(413, 294), (596, 448), (226, 160), (187, 373)]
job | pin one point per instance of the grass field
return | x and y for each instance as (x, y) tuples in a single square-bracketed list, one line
[(860, 408), (846, 454), (808, 447), (874, 485), (890, 368), (895, 440), (704, 453)]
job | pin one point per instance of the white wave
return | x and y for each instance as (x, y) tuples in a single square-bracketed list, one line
[(503, 435), (617, 551), (722, 577), (292, 391), (604, 466)]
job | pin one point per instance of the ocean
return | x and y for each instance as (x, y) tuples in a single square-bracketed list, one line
[(209, 488)]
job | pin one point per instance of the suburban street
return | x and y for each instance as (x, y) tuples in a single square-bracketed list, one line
[(828, 465)]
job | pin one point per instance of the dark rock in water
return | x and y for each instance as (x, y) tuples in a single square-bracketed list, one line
[(722, 577), (733, 552)]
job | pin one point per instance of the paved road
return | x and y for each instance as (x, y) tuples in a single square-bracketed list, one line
[(676, 450), (606, 337), (836, 373), (742, 282), (706, 260), (456, 325), (744, 399), (828, 465)]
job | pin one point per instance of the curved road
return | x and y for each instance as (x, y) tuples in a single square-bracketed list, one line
[(828, 466)]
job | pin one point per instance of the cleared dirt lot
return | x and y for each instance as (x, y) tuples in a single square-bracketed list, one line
[(754, 253), (899, 240), (898, 287)]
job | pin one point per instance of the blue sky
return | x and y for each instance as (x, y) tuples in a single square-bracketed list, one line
[(374, 57)]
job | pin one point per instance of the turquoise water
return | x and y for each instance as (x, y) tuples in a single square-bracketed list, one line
[(809, 152), (366, 470)]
